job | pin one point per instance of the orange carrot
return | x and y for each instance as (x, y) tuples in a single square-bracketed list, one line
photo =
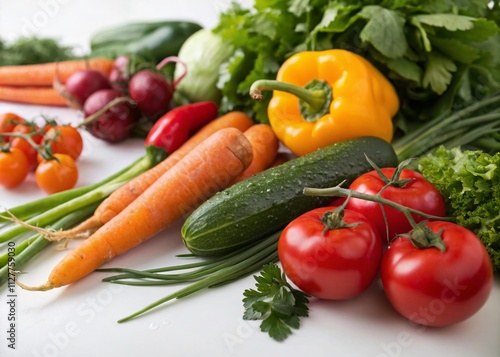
[(126, 194), (31, 95), (265, 146), (44, 74), (206, 170)]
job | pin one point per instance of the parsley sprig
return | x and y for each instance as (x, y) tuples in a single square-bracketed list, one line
[(439, 54), (276, 303)]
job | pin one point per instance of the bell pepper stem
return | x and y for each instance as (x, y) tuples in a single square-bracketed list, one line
[(316, 94)]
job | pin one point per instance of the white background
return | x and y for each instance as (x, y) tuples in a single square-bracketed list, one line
[(80, 320)]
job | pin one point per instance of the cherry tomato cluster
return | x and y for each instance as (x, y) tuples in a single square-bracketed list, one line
[(50, 151), (433, 272)]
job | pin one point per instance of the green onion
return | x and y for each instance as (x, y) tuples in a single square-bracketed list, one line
[(469, 125), (207, 273), (37, 243), (4, 258)]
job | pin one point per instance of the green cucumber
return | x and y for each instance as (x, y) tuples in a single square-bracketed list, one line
[(266, 202)]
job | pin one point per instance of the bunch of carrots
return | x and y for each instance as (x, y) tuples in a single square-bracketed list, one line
[(141, 200), (33, 84)]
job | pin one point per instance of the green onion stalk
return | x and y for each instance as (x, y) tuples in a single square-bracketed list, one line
[(476, 125), (61, 210), (37, 242), (203, 274)]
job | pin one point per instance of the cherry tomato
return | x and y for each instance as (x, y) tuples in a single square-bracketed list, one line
[(24, 145), (7, 123), (13, 167), (435, 288), (55, 176), (47, 126), (65, 139), (418, 193), (24, 128), (334, 264), (28, 150)]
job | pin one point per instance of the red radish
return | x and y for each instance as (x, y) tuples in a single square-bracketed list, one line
[(118, 76), (81, 85), (116, 123), (151, 91)]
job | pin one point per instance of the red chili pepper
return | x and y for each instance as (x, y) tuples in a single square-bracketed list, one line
[(177, 125)]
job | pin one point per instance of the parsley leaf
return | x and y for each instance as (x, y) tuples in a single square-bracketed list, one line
[(299, 7), (438, 74), (384, 30), (455, 49), (450, 22), (276, 303)]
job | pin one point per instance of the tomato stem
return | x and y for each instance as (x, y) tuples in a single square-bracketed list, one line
[(395, 180), (420, 236), (42, 149), (338, 191), (423, 237), (334, 219)]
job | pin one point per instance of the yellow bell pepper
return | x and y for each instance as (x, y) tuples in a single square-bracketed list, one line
[(323, 97)]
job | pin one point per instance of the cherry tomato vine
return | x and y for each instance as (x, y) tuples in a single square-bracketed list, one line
[(50, 151)]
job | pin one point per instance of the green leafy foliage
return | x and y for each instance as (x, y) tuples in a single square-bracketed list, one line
[(439, 54), (276, 303), (470, 183), (33, 50), (384, 30)]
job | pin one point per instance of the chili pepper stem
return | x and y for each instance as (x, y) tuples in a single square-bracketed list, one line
[(316, 95)]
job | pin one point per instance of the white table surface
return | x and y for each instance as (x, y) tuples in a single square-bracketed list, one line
[(80, 320)]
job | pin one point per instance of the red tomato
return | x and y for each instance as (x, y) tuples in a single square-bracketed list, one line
[(13, 167), (418, 194), (65, 139), (336, 265), (55, 176), (435, 288)]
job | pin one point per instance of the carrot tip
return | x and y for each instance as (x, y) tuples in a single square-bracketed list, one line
[(44, 287)]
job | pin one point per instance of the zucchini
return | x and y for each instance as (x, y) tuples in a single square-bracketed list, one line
[(266, 202), (150, 39)]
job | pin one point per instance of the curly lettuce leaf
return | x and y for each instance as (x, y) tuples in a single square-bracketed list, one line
[(469, 181)]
